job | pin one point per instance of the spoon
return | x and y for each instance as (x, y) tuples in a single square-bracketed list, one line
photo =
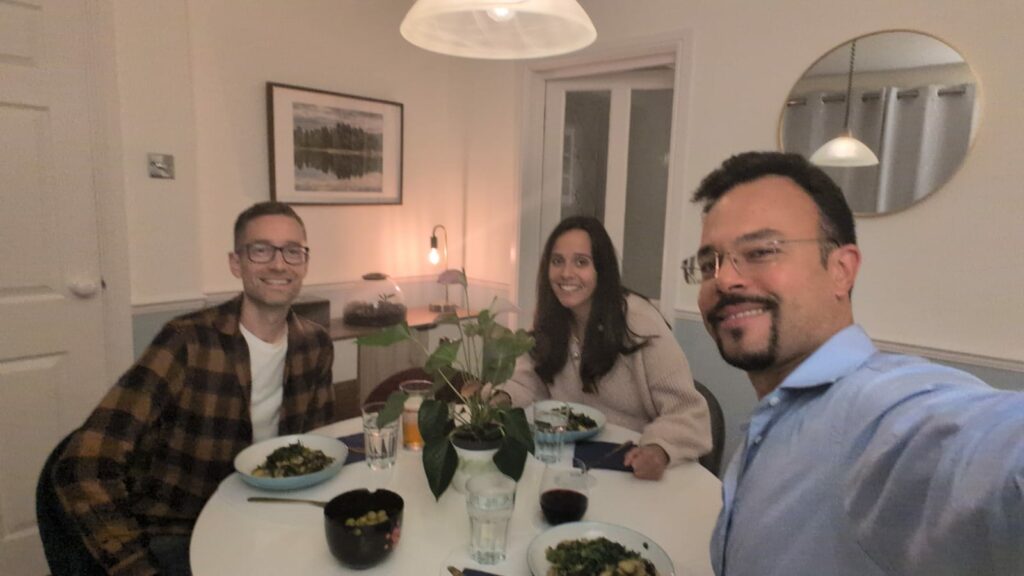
[(287, 500)]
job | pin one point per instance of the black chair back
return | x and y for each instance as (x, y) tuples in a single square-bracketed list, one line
[(381, 392), (713, 460), (66, 554)]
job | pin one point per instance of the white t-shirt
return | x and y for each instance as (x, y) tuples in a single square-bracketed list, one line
[(266, 363)]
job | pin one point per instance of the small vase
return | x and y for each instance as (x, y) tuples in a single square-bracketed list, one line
[(474, 458)]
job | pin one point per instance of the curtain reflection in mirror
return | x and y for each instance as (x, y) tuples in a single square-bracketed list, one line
[(920, 136)]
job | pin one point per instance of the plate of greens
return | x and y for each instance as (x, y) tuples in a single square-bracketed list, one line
[(583, 421), (291, 462), (588, 548)]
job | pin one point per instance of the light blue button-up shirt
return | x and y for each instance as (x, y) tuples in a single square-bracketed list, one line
[(863, 463)]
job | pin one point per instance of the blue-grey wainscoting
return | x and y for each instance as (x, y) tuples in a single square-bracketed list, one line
[(736, 395)]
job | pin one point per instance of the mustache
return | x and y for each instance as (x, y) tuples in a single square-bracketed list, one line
[(715, 314)]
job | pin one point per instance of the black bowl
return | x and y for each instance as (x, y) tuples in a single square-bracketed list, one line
[(363, 546)]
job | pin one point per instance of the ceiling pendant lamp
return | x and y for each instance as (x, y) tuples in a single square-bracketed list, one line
[(498, 29), (845, 150)]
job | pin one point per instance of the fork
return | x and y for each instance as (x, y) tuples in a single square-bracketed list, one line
[(618, 449)]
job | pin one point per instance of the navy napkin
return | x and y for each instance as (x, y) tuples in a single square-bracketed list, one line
[(354, 443), (597, 454)]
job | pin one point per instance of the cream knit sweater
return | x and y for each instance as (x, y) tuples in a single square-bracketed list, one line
[(650, 391)]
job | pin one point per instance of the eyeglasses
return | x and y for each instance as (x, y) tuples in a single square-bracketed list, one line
[(749, 258), (261, 253)]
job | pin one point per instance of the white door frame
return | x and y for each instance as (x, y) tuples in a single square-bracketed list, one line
[(108, 184), (673, 49)]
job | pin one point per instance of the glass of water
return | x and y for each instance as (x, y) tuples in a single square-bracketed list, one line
[(549, 426), (380, 442), (490, 499)]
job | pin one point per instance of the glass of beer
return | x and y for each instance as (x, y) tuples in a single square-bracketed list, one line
[(418, 391)]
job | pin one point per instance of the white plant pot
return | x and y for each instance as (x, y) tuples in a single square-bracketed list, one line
[(471, 463)]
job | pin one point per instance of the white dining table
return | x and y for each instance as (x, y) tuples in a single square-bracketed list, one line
[(234, 536)]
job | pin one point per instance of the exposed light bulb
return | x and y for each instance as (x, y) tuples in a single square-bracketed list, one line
[(501, 14), (433, 256)]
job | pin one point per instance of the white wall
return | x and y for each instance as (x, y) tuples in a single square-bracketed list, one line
[(156, 115), (945, 274), (212, 59), (491, 165)]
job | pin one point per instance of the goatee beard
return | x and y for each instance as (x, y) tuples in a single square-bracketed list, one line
[(748, 361)]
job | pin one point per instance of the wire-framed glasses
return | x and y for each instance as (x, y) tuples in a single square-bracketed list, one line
[(261, 253), (748, 257)]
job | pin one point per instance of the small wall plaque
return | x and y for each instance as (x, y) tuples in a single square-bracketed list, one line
[(161, 166)]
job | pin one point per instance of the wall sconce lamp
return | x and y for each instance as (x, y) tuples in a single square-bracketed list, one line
[(845, 150), (434, 257)]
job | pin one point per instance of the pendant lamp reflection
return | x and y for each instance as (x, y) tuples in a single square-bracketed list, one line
[(498, 29), (845, 150)]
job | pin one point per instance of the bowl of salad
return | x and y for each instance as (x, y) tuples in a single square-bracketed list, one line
[(291, 462), (592, 548), (582, 421)]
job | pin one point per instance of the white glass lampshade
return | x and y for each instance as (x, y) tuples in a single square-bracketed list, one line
[(844, 151), (498, 29)]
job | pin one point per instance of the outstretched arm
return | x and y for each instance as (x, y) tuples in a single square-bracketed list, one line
[(939, 485)]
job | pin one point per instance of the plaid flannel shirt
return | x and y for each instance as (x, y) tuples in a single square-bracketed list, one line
[(164, 437)]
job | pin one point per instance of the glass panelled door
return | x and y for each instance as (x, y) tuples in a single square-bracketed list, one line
[(606, 150)]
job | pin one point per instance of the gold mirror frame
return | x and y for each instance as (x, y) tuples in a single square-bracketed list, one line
[(916, 103)]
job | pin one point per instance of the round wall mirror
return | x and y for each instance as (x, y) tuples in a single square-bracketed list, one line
[(913, 103)]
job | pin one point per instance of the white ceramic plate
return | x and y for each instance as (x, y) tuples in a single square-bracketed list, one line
[(631, 539), (577, 435), (247, 460)]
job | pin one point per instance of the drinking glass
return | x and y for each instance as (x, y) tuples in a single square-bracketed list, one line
[(563, 492), (418, 391), (380, 442), (490, 500), (549, 427)]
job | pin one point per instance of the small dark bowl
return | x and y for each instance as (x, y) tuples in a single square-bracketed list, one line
[(363, 546)]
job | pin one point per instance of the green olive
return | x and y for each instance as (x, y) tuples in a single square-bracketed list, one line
[(371, 518)]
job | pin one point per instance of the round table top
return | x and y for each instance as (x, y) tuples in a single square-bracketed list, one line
[(234, 536)]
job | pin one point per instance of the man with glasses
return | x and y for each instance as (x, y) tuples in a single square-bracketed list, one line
[(136, 475), (855, 462)]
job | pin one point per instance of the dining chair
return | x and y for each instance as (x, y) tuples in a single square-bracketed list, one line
[(713, 460), (381, 391), (384, 389), (66, 554)]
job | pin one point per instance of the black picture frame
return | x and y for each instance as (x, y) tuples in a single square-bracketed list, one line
[(332, 148)]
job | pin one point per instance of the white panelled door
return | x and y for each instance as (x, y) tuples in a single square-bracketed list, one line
[(606, 150), (52, 348)]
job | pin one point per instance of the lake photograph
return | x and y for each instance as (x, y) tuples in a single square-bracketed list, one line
[(337, 149)]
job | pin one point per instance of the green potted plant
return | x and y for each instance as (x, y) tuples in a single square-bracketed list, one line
[(483, 357)]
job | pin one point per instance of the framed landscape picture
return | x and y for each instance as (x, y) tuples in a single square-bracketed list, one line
[(329, 148)]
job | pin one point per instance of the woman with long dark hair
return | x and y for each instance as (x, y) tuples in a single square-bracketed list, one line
[(601, 345)]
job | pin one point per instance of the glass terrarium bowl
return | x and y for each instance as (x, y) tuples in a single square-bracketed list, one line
[(376, 301)]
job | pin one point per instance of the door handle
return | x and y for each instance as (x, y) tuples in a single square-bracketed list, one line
[(84, 288)]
